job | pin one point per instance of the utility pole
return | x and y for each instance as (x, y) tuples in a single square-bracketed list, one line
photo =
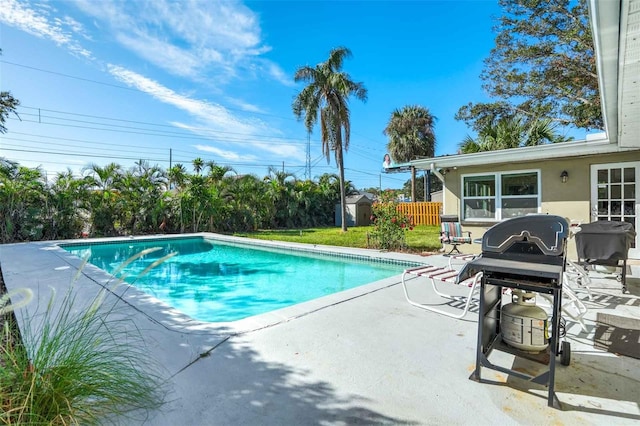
[(307, 171), (170, 158)]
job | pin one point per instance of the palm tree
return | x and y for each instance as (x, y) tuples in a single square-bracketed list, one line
[(411, 135), (68, 204), (198, 165), (326, 97), (512, 132), (104, 197), (8, 168), (177, 176), (22, 204), (280, 188), (216, 172)]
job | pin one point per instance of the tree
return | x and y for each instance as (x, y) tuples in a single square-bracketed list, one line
[(542, 66), (280, 189), (103, 181), (177, 176), (198, 165), (216, 172), (420, 184), (512, 132), (325, 97), (411, 135)]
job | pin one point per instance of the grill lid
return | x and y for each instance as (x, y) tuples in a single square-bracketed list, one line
[(547, 233)]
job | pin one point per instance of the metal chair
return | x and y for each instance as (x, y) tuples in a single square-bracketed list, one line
[(451, 233), (445, 275)]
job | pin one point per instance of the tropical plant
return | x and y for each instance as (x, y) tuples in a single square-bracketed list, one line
[(22, 203), (74, 364), (280, 189), (141, 202), (389, 224), (216, 172), (325, 98), (247, 205), (108, 200), (411, 135), (512, 132), (103, 198), (198, 165), (177, 176), (67, 206), (542, 66)]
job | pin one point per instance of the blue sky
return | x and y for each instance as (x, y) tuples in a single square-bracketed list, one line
[(116, 80)]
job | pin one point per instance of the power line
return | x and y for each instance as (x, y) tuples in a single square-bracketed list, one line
[(150, 132), (132, 89), (120, 120)]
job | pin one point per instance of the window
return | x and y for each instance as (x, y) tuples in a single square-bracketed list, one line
[(497, 196)]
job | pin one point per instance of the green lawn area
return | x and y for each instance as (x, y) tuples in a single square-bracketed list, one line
[(421, 239)]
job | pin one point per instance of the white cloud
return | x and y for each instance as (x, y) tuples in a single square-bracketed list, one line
[(278, 74), (173, 59), (219, 40), (213, 115), (230, 156), (275, 147), (191, 38), (36, 22), (215, 121)]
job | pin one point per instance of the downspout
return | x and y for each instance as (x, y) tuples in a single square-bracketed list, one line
[(436, 172), (441, 177)]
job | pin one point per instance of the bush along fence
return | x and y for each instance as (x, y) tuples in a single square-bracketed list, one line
[(422, 213)]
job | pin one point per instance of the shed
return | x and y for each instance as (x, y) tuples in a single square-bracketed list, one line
[(358, 211)]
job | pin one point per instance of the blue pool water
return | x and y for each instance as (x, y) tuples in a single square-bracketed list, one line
[(211, 280)]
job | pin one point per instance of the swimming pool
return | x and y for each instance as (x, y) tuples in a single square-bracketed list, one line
[(218, 281)]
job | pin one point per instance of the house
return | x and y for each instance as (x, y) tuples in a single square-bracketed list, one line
[(594, 179), (358, 211)]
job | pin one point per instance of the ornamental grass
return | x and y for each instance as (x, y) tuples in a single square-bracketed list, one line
[(73, 363)]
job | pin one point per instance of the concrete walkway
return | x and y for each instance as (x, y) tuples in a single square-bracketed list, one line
[(364, 356)]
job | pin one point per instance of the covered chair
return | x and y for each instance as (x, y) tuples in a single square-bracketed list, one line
[(451, 233)]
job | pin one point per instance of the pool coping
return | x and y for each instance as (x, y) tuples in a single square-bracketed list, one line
[(170, 317)]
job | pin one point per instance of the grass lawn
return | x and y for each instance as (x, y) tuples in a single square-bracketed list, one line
[(422, 238)]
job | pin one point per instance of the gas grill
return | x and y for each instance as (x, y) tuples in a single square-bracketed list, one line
[(524, 253), (605, 243)]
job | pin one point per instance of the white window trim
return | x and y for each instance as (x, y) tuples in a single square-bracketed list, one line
[(498, 197)]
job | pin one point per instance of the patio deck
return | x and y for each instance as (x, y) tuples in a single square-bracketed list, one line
[(364, 356)]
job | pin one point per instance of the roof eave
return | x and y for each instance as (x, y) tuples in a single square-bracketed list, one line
[(604, 17), (532, 153)]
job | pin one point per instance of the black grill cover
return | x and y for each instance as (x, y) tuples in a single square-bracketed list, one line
[(605, 241)]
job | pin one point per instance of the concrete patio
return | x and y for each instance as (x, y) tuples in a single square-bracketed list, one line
[(364, 356)]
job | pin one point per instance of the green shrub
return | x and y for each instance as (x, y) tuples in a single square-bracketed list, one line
[(389, 224), (75, 365)]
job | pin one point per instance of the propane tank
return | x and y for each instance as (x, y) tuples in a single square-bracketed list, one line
[(523, 324)]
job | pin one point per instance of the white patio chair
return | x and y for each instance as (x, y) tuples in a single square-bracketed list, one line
[(444, 275)]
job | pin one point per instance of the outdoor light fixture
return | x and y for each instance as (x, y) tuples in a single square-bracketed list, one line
[(564, 176)]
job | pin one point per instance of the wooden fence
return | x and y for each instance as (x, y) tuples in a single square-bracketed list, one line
[(423, 213)]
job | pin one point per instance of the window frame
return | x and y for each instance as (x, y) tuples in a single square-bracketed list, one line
[(498, 197)]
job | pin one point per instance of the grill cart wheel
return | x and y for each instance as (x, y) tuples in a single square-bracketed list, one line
[(565, 353)]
